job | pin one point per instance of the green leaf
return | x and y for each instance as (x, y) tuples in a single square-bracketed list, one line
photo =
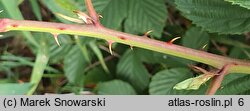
[(234, 84), (131, 69), (193, 83), (145, 15), (163, 82), (99, 55), (152, 57), (14, 88), (243, 3), (11, 61), (115, 87), (83, 48), (74, 64), (149, 56), (231, 41), (41, 62), (216, 15), (65, 7), (195, 38), (36, 9), (57, 54), (95, 76), (113, 12)]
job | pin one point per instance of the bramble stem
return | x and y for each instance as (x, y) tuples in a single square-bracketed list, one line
[(216, 61), (217, 79)]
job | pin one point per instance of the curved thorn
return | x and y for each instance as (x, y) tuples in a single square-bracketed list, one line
[(131, 47), (1, 11), (100, 16), (174, 39), (56, 39), (110, 46), (203, 48), (147, 33)]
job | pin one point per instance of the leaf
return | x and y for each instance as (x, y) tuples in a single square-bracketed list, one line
[(65, 7), (231, 41), (83, 49), (145, 15), (152, 57), (149, 56), (74, 64), (193, 83), (163, 82), (131, 69), (14, 88), (57, 54), (216, 15), (115, 87), (95, 76), (41, 62), (243, 3), (113, 12), (11, 61), (195, 38), (234, 84), (36, 9), (99, 55)]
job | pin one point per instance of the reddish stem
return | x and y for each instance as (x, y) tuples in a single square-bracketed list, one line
[(217, 79), (92, 13)]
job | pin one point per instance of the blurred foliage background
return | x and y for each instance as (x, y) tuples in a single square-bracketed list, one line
[(32, 63)]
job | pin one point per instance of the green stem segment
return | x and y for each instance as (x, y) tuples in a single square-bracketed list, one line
[(216, 61)]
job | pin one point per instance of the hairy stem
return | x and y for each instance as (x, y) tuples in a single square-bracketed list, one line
[(216, 61)]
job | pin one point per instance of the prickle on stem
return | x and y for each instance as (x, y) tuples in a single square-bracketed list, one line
[(147, 33), (174, 39), (131, 47), (1, 11), (100, 16), (56, 38), (203, 47), (110, 46)]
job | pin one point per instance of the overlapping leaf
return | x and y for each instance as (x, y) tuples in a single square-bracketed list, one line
[(113, 12), (131, 69), (115, 87), (243, 3), (216, 15), (145, 15), (195, 38), (14, 88), (163, 82), (74, 64)]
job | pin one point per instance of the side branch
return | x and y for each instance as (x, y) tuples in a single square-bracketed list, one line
[(216, 61), (92, 13), (217, 80)]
